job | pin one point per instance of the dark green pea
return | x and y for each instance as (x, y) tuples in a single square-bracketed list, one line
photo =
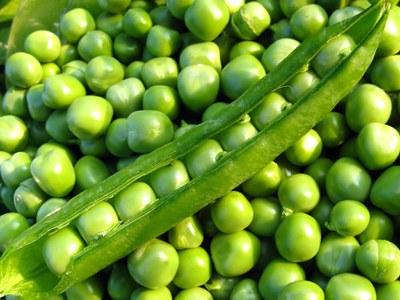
[(265, 182), (134, 69), (97, 221), (67, 53), (243, 254), (110, 23), (271, 106), (331, 5), (188, 39), (89, 171), (318, 170), (385, 72), (59, 248), (162, 41), (308, 20), (349, 148), (160, 71), (239, 74), (379, 260), (281, 30), (332, 53), (299, 85), (250, 21), (57, 127), (350, 287), (196, 293), (162, 293), (77, 69), (49, 70), (388, 291), (154, 264), (14, 133), (237, 135), (132, 200), (277, 274), (126, 96), (273, 8), (28, 197), (120, 284), (14, 102), (245, 289), (124, 162), (194, 268), (319, 279), (333, 129), (390, 41), (11, 225), (15, 169), (116, 139), (94, 147), (267, 216), (89, 289), (302, 290), (213, 111), (44, 45), (23, 70), (277, 52), (206, 53), (114, 6), (214, 11), (7, 197), (146, 54), (380, 227), (161, 15), (246, 47), (148, 130), (144, 4), (225, 43), (306, 150), (186, 234), (49, 207), (288, 169), (169, 178), (137, 22), (76, 23), (288, 7), (178, 7), (342, 14), (322, 211), (126, 48), (53, 172), (337, 254), (221, 287), (162, 98), (203, 157), (347, 179), (348, 218), (95, 43)]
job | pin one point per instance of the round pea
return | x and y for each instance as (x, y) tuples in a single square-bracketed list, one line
[(36, 107), (137, 22), (288, 7), (162, 41), (15, 169), (116, 140), (308, 20), (281, 30), (126, 48), (390, 41), (114, 6), (333, 129), (28, 198), (277, 52), (318, 170), (12, 224), (267, 216), (49, 207), (77, 69), (68, 53), (76, 23), (50, 69), (89, 171), (305, 150), (14, 133), (380, 226), (385, 192), (162, 293), (95, 147), (388, 291), (196, 293), (95, 43), (44, 45), (303, 289), (213, 111), (343, 13), (246, 47), (89, 289), (206, 53), (110, 23), (385, 73), (162, 98), (23, 70), (349, 286), (134, 69), (221, 287), (236, 135), (265, 182), (178, 7), (298, 86), (14, 102), (120, 284), (245, 289), (160, 71)]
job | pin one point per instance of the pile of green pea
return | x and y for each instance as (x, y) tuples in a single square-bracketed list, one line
[(319, 222)]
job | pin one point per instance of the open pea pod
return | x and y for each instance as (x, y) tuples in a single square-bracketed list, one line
[(22, 268)]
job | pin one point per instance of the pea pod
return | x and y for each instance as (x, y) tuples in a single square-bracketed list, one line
[(35, 280)]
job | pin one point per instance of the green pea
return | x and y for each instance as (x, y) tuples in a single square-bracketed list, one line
[(267, 216), (350, 287), (288, 169), (206, 53), (245, 289), (349, 149), (389, 44), (143, 4), (134, 69), (7, 197), (89, 171), (347, 179), (57, 127), (299, 85), (162, 41), (15, 169), (288, 7), (239, 74), (126, 96), (273, 8), (308, 20), (76, 23), (39, 136), (44, 45), (50, 146), (277, 274), (89, 289), (102, 72), (126, 48), (322, 211), (116, 139), (337, 254), (281, 30), (14, 102), (60, 247), (333, 129), (68, 53), (77, 69), (120, 284), (154, 264), (348, 218), (162, 293), (221, 287), (146, 54), (28, 197), (110, 23), (160, 71), (49, 207), (49, 70), (132, 200), (331, 6), (342, 14), (236, 135), (385, 71), (213, 111), (161, 15), (23, 70), (388, 291), (243, 254), (114, 6), (247, 47), (169, 178), (124, 162), (186, 234), (302, 290), (178, 7), (306, 150), (198, 86), (277, 52), (250, 21), (137, 22), (318, 170), (162, 98), (194, 268), (54, 173), (88, 117), (94, 147), (380, 226), (196, 293), (14, 133), (12, 224), (215, 12)]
